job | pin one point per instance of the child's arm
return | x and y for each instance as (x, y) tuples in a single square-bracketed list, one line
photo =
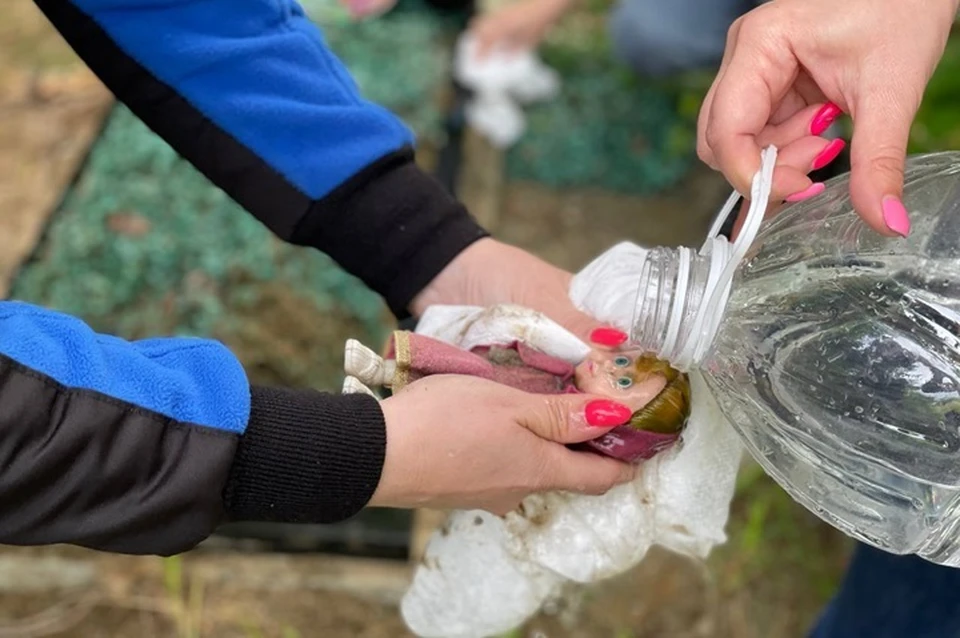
[(147, 446), (248, 92)]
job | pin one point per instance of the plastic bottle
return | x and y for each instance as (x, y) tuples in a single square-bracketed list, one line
[(834, 352)]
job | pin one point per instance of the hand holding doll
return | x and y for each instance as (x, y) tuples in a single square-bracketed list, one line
[(657, 395)]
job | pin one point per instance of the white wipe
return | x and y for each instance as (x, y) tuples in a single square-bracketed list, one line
[(483, 575), (502, 83)]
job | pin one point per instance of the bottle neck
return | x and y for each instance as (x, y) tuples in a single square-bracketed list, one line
[(669, 314), (683, 293)]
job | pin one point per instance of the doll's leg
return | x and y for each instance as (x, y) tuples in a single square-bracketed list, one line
[(366, 365), (353, 385)]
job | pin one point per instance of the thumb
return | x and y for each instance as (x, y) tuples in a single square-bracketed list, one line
[(580, 323), (572, 418), (590, 330), (882, 120)]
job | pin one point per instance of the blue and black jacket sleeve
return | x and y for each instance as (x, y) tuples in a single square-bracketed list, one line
[(248, 92), (146, 447)]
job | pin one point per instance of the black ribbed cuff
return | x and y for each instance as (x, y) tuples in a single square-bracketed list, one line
[(306, 457), (391, 225)]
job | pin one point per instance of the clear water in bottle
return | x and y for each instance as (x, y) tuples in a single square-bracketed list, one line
[(838, 358)]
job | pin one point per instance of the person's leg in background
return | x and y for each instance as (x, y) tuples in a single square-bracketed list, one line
[(659, 38), (888, 596)]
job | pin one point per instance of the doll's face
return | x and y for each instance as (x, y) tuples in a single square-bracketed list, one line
[(615, 374)]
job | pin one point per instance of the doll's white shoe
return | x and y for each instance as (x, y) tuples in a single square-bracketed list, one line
[(353, 385), (366, 365)]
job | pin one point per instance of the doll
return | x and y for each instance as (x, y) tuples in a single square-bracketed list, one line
[(623, 374)]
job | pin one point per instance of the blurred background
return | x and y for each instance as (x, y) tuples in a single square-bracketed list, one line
[(99, 218)]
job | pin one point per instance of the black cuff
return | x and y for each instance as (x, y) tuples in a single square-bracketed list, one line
[(391, 225), (306, 457)]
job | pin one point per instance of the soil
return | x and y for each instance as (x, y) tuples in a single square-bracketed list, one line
[(778, 568), (50, 110)]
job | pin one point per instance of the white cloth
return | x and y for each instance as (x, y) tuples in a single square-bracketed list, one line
[(472, 326), (485, 575), (502, 82)]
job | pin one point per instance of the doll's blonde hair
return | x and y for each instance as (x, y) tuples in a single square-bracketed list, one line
[(667, 412)]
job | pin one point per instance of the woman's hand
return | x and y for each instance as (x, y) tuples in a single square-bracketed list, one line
[(522, 25), (468, 443), (489, 272), (792, 66)]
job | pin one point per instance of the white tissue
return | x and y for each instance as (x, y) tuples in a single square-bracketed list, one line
[(502, 82), (472, 326), (483, 575)]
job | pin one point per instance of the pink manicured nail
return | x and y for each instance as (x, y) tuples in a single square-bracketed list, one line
[(607, 413), (828, 154), (824, 118), (895, 215), (814, 189), (608, 336)]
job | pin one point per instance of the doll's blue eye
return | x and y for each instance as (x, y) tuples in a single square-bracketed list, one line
[(621, 362), (624, 382)]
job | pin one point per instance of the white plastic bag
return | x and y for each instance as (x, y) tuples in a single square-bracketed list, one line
[(483, 575), (502, 83)]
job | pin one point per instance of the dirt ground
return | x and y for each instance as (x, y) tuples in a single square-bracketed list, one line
[(769, 581), (50, 110)]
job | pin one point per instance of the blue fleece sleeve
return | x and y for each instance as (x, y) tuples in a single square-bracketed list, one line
[(189, 380), (259, 71), (247, 92)]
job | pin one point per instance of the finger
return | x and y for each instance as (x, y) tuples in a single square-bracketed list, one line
[(882, 120), (482, 36), (566, 340), (809, 90), (703, 149), (788, 107), (797, 159), (794, 118), (812, 120), (596, 333), (586, 327), (585, 472), (790, 180), (759, 75), (487, 34), (574, 418), (704, 153)]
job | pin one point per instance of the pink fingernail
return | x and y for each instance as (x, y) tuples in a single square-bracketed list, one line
[(824, 118), (895, 215), (607, 413), (814, 189), (828, 154), (608, 336)]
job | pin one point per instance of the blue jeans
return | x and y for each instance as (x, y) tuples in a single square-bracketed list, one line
[(663, 37), (887, 596)]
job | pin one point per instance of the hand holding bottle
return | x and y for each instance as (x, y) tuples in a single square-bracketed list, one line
[(792, 66)]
